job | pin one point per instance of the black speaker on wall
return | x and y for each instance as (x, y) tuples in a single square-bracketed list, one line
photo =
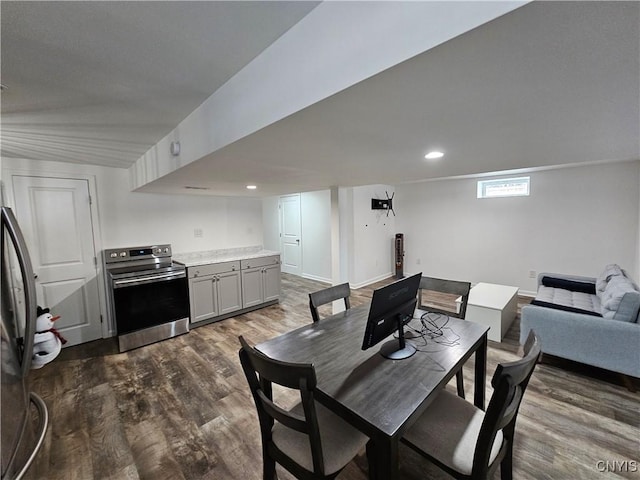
[(399, 255)]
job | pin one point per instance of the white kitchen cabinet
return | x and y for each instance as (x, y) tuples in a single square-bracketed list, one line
[(214, 290), (260, 280)]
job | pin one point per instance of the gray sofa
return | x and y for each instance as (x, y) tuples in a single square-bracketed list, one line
[(589, 320)]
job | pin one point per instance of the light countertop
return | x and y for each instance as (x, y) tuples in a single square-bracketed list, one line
[(194, 259)]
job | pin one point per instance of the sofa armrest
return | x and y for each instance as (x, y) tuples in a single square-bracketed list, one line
[(564, 276), (600, 342)]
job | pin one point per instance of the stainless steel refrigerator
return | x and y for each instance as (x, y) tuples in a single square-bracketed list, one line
[(23, 428)]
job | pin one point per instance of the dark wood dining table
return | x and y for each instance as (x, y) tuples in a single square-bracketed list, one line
[(381, 397)]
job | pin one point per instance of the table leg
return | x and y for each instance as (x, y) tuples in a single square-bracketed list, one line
[(383, 459), (480, 373)]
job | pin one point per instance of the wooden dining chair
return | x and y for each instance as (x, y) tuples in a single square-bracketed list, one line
[(463, 440), (309, 441), (328, 295), (450, 287)]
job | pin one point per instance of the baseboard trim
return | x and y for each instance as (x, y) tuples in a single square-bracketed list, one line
[(316, 278), (371, 280), (527, 293)]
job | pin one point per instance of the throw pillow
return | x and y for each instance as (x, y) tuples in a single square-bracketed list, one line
[(612, 296), (610, 271)]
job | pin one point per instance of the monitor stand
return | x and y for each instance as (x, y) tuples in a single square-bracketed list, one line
[(398, 350)]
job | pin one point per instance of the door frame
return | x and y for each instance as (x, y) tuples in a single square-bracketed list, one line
[(108, 330)]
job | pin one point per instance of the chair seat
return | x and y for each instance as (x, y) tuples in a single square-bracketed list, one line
[(448, 431), (340, 441)]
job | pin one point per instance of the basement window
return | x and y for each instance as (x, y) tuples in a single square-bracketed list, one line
[(504, 187)]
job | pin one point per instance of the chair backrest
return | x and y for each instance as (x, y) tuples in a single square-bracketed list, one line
[(261, 371), (454, 287), (322, 297), (509, 383)]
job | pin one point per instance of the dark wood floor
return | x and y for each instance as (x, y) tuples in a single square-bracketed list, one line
[(181, 409)]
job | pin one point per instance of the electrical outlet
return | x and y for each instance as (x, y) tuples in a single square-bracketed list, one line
[(197, 232), (532, 274)]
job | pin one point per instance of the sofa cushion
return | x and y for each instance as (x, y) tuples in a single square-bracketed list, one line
[(573, 285), (620, 300), (610, 271), (567, 298)]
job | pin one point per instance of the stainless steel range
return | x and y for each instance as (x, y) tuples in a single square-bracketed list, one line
[(148, 294)]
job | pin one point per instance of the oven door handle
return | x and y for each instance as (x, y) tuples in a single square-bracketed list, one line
[(127, 282)]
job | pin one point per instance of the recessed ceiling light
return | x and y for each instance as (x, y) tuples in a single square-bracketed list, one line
[(433, 155), (251, 187)]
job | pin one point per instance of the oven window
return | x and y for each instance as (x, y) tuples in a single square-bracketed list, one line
[(150, 304)]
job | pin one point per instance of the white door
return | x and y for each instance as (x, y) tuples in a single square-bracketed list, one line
[(290, 247), (55, 217)]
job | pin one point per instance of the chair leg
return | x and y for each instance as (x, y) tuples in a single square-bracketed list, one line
[(269, 469), (506, 467), (460, 383)]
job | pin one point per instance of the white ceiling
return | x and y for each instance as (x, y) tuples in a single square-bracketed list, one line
[(550, 83), (101, 82)]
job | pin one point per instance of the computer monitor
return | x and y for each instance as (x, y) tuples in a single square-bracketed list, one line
[(392, 306)]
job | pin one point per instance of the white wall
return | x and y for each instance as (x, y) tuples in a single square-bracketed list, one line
[(350, 41), (315, 214), (366, 235), (576, 220), (271, 223), (315, 227), (345, 222), (638, 238), (129, 218), (373, 237)]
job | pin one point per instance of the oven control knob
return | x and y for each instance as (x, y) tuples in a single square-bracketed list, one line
[(113, 255), (166, 250), (123, 254)]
